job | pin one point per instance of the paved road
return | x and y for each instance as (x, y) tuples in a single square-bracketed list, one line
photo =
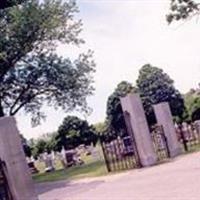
[(176, 180)]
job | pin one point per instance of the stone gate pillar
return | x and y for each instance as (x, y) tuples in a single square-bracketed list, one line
[(11, 151), (197, 124), (164, 118), (133, 105)]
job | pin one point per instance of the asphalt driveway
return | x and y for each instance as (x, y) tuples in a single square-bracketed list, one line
[(175, 180)]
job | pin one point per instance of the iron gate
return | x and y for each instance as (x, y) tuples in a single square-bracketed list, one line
[(160, 142), (119, 154)]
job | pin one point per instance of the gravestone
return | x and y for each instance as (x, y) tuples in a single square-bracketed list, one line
[(132, 105), (128, 148), (197, 126), (164, 118), (96, 154), (48, 160), (31, 165), (62, 158), (11, 152), (186, 130), (69, 155)]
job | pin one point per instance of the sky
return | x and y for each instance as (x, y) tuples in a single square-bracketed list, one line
[(125, 35)]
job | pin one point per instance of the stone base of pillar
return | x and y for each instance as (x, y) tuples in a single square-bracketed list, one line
[(175, 152), (11, 152), (149, 161)]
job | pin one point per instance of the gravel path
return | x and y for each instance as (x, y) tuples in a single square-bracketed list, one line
[(176, 180)]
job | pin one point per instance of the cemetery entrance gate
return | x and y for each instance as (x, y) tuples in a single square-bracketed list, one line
[(160, 142), (120, 152)]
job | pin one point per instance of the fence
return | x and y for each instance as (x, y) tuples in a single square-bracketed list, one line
[(120, 154), (160, 142), (188, 135)]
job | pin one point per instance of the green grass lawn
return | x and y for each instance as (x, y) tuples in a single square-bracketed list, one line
[(92, 169), (193, 148)]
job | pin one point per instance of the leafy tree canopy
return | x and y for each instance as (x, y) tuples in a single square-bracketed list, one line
[(45, 143), (75, 131), (26, 147), (192, 102), (40, 147), (114, 111), (195, 109), (182, 9), (100, 127), (31, 72), (154, 87), (9, 3)]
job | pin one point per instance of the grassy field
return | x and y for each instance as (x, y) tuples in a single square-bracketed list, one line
[(91, 168), (193, 148)]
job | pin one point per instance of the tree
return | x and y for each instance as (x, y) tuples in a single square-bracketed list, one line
[(31, 72), (195, 109), (39, 147), (74, 132), (101, 127), (9, 3), (51, 142), (154, 87), (182, 10), (192, 102), (45, 143), (26, 147), (114, 111)]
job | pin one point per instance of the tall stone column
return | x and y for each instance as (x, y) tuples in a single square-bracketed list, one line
[(164, 118), (197, 124), (133, 105), (11, 152)]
